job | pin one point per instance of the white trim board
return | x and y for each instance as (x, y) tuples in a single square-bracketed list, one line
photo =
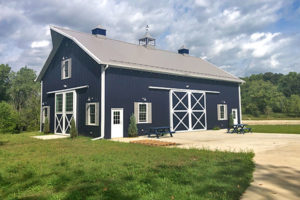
[(102, 103), (69, 89), (41, 108), (240, 104), (184, 90)]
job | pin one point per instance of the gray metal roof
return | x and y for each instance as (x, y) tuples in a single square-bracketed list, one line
[(126, 55)]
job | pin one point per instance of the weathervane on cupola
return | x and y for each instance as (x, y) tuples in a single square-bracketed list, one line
[(147, 40)]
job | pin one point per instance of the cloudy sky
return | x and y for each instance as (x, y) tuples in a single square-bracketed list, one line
[(242, 37)]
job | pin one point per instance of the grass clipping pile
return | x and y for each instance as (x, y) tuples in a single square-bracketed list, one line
[(154, 143)]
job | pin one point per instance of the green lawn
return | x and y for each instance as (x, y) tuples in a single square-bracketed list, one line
[(85, 169), (293, 129)]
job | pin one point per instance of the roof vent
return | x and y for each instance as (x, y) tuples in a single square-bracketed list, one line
[(99, 30), (183, 50), (147, 40)]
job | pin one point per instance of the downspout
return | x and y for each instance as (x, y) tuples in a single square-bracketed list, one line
[(103, 68)]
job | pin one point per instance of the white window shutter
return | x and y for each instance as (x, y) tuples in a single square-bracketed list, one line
[(97, 114), (70, 67), (136, 111), (149, 114), (225, 112), (86, 114), (219, 111), (48, 113), (62, 69)]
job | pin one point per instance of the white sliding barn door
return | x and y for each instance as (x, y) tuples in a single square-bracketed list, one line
[(187, 110), (65, 111)]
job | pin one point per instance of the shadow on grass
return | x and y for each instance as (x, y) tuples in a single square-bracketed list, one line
[(283, 177), (3, 142)]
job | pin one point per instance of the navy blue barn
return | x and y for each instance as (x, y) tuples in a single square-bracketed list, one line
[(100, 82)]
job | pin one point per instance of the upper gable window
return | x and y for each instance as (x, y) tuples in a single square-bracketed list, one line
[(66, 68)]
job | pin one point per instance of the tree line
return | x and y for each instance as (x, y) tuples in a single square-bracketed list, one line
[(262, 94), (19, 100), (268, 93)]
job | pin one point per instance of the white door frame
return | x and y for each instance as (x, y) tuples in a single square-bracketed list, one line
[(236, 117), (121, 128), (63, 126)]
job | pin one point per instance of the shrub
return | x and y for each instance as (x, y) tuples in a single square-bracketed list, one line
[(73, 130), (8, 119), (46, 126), (216, 128), (132, 129)]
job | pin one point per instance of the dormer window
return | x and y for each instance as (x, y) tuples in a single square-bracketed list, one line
[(66, 67)]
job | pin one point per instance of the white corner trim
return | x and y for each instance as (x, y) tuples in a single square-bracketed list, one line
[(69, 89), (240, 104), (184, 90), (41, 112), (102, 118)]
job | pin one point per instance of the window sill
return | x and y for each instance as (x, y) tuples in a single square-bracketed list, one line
[(92, 125), (65, 78)]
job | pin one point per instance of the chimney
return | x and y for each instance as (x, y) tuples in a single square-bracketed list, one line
[(183, 50), (99, 31)]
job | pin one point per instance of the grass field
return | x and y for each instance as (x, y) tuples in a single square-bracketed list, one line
[(85, 169), (293, 129)]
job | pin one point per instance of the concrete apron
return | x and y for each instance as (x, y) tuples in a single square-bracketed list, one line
[(277, 158), (51, 137)]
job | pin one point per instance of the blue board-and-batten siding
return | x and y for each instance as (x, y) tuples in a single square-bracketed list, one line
[(85, 71), (124, 87)]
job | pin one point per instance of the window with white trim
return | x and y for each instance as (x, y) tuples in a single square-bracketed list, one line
[(92, 114), (222, 111), (66, 68), (143, 112)]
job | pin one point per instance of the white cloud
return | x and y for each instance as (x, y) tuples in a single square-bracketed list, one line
[(39, 44), (273, 61), (261, 44), (202, 3), (240, 36)]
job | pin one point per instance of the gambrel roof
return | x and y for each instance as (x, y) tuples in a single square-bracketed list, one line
[(131, 56)]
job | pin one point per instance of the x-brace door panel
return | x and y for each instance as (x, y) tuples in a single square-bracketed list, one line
[(187, 110)]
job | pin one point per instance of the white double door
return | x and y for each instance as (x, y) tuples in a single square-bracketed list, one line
[(65, 111), (187, 110)]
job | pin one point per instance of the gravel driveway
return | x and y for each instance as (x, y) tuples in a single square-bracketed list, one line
[(277, 158)]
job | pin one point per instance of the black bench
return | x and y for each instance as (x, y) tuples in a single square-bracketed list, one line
[(160, 131)]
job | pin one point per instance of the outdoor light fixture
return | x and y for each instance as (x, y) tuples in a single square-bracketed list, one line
[(65, 86), (187, 86), (144, 98)]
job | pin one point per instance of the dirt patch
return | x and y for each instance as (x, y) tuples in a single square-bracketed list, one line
[(154, 143)]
